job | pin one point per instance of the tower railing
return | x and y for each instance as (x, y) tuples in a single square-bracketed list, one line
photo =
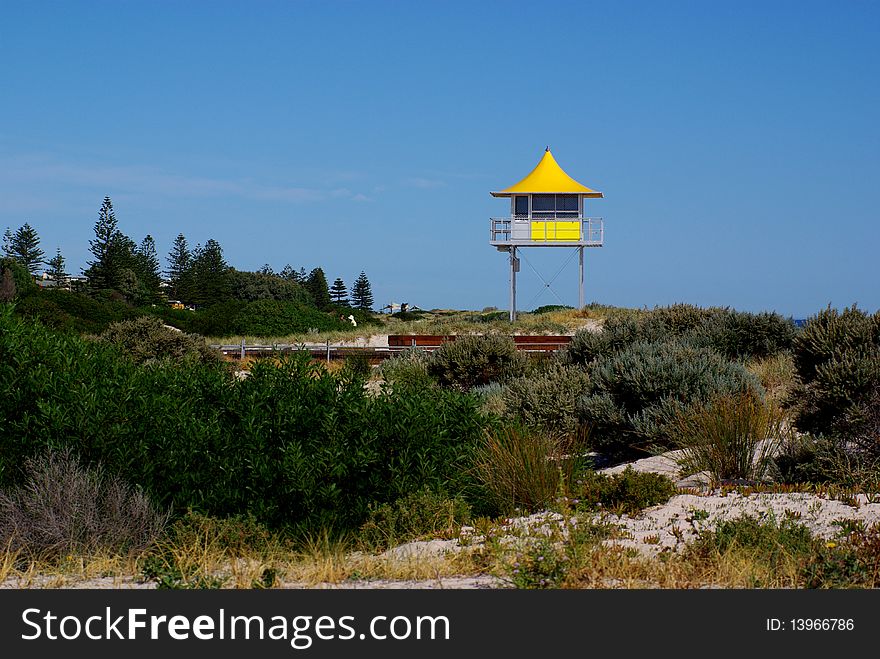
[(536, 232)]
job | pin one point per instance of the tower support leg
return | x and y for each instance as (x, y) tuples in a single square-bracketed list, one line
[(512, 284), (581, 278)]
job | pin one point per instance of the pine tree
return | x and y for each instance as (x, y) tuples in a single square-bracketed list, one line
[(104, 271), (56, 269), (210, 280), (316, 284), (7, 243), (24, 247), (266, 270), (362, 293), (147, 271), (339, 293), (179, 263), (290, 274)]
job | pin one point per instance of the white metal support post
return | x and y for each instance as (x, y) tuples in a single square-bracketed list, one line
[(581, 277), (513, 269)]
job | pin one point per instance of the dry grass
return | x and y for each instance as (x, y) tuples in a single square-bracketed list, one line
[(563, 321), (777, 375)]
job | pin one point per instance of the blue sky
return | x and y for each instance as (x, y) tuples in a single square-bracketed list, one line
[(736, 142)]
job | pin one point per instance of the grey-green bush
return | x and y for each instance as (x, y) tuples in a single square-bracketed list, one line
[(147, 339), (547, 399), (636, 393), (741, 335), (734, 334), (63, 507), (470, 361), (409, 366), (837, 359)]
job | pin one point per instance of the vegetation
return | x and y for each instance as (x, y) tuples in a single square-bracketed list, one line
[(145, 339), (521, 469), (362, 293), (282, 475), (732, 437), (292, 444), (23, 246), (635, 394), (61, 507), (470, 361)]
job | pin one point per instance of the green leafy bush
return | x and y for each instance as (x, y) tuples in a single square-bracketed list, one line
[(546, 399), (470, 361), (63, 507), (420, 514), (251, 286), (65, 310), (263, 318), (146, 339), (852, 562), (837, 359), (636, 393), (292, 445), (13, 272), (628, 492)]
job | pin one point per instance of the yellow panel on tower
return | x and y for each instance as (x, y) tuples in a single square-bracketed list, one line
[(556, 231)]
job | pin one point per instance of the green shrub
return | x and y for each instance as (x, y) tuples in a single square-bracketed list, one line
[(356, 366), (251, 286), (65, 310), (733, 437), (547, 308), (679, 319), (470, 361), (546, 399), (617, 333), (740, 335), (734, 334), (15, 277), (523, 469), (636, 393), (235, 536), (837, 358), (63, 507), (409, 366), (628, 492), (781, 546), (146, 339), (852, 562), (292, 445), (420, 514), (267, 318)]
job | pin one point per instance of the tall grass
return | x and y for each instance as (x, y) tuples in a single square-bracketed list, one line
[(523, 469), (733, 437)]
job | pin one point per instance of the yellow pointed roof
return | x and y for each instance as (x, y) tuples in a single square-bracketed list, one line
[(547, 177)]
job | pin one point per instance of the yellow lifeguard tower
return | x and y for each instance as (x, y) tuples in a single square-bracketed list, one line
[(546, 210)]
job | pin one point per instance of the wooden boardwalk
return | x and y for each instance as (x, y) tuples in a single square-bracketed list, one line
[(396, 344)]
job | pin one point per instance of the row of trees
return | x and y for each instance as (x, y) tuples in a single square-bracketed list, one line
[(199, 276), (24, 246)]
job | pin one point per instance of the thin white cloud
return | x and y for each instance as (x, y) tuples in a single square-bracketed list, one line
[(150, 180)]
